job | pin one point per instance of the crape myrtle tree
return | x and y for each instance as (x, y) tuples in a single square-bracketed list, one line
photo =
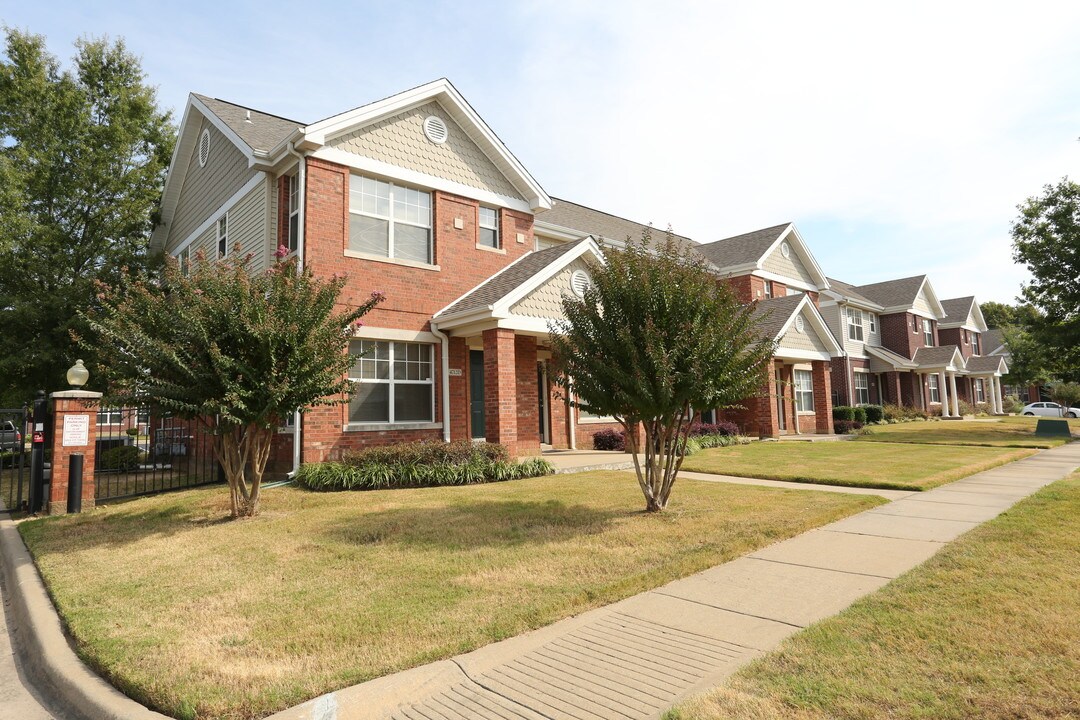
[(655, 336), (1065, 394), (233, 349), (1046, 238), (83, 156)]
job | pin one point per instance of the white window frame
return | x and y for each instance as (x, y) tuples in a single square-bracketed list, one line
[(976, 346), (183, 260), (855, 324), (803, 382), (292, 195), (481, 226), (222, 232), (980, 390), (928, 332), (935, 390), (392, 382), (110, 413), (392, 222), (859, 391), (873, 322), (768, 289)]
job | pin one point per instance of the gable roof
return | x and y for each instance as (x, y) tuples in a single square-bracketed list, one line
[(958, 310), (749, 251), (901, 294), (776, 315), (564, 215), (993, 341), (939, 356), (849, 292), (987, 364), (894, 359), (260, 131)]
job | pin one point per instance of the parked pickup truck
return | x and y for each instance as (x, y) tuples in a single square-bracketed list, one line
[(10, 437)]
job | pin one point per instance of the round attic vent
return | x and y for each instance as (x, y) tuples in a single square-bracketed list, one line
[(580, 282), (204, 147), (799, 324), (785, 249), (435, 129)]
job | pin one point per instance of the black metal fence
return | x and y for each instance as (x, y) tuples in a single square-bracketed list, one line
[(14, 458), (142, 451)]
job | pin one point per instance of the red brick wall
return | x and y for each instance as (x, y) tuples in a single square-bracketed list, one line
[(839, 382), (897, 334), (61, 456), (822, 397), (528, 396)]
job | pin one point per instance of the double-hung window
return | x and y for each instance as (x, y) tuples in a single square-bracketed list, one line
[(293, 239), (975, 348), (862, 388), (804, 391), (855, 324), (489, 227), (389, 220), (873, 323), (980, 390), (394, 382), (928, 332), (768, 289), (183, 260), (223, 235), (935, 391)]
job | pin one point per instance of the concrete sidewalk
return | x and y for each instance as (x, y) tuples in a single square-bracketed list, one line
[(17, 697), (637, 657)]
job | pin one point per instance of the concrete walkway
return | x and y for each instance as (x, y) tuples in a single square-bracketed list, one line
[(17, 698), (637, 657)]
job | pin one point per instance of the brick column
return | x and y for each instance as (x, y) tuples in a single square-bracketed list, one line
[(763, 408), (500, 388), (892, 386), (459, 389), (528, 396), (74, 408), (822, 397)]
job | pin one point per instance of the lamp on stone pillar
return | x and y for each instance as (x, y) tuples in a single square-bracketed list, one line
[(77, 375)]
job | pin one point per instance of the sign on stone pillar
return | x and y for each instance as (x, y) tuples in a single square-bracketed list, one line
[(75, 431)]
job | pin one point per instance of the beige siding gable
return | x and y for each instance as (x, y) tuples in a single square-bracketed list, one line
[(399, 140), (207, 188), (806, 340), (788, 267), (546, 301), (922, 304)]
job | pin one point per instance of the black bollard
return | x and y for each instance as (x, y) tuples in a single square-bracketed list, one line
[(75, 470)]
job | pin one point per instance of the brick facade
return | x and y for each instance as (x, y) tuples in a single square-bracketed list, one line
[(64, 407)]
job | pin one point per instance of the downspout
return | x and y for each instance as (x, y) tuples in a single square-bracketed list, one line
[(570, 412), (445, 367), (301, 176)]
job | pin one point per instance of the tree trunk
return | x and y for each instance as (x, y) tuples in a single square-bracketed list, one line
[(663, 448), (243, 452)]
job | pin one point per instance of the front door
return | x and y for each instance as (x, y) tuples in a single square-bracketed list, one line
[(542, 395), (476, 394), (780, 418)]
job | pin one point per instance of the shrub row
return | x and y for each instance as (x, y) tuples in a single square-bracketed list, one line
[(841, 413), (846, 427), (122, 457), (719, 428), (413, 465), (611, 439), (696, 443)]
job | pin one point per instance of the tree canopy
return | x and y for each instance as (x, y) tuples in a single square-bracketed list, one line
[(656, 337), (83, 156), (237, 350), (1046, 238)]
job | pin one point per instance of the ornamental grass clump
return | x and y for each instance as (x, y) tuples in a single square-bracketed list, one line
[(420, 464)]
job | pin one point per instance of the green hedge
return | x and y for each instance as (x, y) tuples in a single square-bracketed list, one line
[(874, 413), (413, 465), (843, 412), (124, 457), (697, 443)]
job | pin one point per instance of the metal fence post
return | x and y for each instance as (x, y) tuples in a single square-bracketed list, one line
[(37, 453), (75, 478)]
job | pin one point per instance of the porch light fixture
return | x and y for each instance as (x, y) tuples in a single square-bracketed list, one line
[(77, 374)]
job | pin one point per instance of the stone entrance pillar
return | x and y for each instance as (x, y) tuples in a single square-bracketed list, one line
[(74, 431)]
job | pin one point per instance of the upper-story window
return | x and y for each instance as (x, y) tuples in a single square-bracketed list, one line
[(768, 289), (873, 323), (489, 227), (389, 220), (293, 239), (975, 347), (928, 332), (855, 324), (223, 235)]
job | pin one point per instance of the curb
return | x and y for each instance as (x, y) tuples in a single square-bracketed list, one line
[(42, 646)]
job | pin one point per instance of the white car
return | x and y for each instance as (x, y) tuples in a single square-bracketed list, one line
[(1049, 409)]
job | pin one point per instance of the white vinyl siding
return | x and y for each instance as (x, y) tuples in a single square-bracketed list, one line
[(388, 220), (395, 382), (804, 391)]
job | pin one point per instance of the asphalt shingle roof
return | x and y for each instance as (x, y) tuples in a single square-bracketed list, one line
[(848, 291), (499, 286), (957, 309), (891, 293), (889, 356), (600, 225), (741, 249), (264, 132), (984, 363), (773, 314), (934, 356), (992, 339)]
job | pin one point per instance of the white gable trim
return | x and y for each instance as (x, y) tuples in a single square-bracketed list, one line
[(817, 322), (890, 358), (795, 239), (412, 177), (931, 297), (443, 92)]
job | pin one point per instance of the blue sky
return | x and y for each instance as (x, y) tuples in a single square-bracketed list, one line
[(899, 138)]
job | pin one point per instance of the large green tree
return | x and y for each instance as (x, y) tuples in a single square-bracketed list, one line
[(233, 349), (1046, 238), (655, 336), (83, 155)]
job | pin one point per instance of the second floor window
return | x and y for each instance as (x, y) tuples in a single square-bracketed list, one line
[(389, 220), (768, 289), (873, 322), (975, 344), (293, 240), (928, 332), (489, 227), (855, 324), (223, 235)]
